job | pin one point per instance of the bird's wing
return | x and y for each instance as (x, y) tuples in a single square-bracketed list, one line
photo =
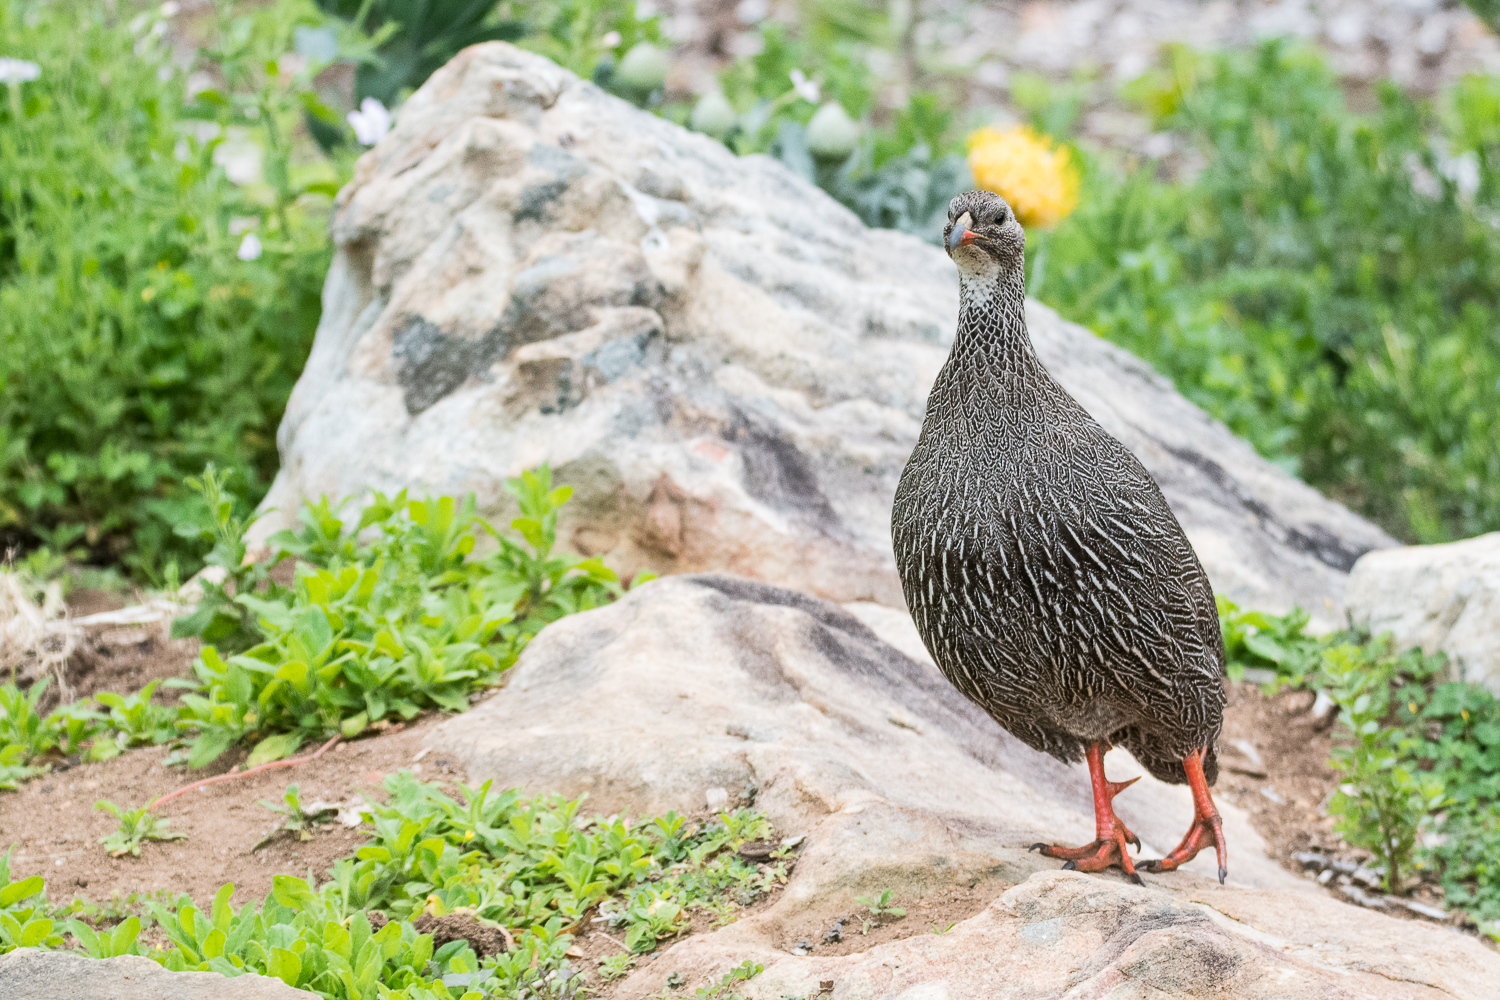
[(1088, 585)]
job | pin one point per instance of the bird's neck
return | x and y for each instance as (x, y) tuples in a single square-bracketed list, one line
[(992, 342)]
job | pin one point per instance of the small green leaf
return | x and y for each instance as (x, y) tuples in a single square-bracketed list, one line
[(273, 748)]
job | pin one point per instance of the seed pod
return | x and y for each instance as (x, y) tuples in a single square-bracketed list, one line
[(644, 68), (832, 134), (713, 115)]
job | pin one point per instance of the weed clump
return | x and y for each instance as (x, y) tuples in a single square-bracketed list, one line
[(1419, 756)]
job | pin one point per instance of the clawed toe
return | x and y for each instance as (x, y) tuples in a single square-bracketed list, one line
[(1206, 832), (1094, 857)]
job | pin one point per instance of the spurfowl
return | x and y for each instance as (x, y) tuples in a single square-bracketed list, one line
[(1043, 568)]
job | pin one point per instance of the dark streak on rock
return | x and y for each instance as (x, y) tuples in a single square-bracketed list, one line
[(431, 364), (1313, 539), (535, 198), (776, 472)]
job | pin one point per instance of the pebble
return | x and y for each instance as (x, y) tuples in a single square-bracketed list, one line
[(1358, 895)]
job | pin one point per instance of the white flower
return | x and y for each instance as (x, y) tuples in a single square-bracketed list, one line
[(610, 39), (249, 247), (805, 88), (15, 71), (372, 122), (171, 8)]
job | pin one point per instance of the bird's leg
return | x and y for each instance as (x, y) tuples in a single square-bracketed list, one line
[(1207, 829), (1110, 835)]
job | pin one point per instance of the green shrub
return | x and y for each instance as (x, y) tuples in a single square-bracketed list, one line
[(408, 621), (135, 343), (371, 628), (1385, 800), (1321, 285)]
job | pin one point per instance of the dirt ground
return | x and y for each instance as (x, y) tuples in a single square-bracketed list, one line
[(1273, 763), (55, 828)]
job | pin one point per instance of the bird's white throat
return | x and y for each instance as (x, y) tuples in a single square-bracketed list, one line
[(980, 280)]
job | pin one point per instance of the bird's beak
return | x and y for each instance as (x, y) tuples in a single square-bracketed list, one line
[(961, 236)]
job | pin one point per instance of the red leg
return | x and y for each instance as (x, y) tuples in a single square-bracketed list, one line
[(1110, 835), (1207, 830)]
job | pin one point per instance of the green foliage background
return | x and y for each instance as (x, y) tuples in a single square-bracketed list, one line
[(134, 344), (1324, 284)]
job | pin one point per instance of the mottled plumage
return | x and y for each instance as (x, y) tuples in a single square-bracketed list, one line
[(1041, 563)]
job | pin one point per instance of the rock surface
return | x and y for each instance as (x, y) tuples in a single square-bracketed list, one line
[(28, 974), (724, 362), (1440, 597), (697, 689)]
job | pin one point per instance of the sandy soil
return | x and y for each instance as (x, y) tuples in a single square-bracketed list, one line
[(55, 829)]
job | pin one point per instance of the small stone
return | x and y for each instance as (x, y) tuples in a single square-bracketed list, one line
[(1358, 895), (1431, 912)]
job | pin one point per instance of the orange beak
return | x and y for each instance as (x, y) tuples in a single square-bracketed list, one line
[(961, 237)]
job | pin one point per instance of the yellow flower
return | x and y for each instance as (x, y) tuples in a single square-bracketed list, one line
[(1028, 170)]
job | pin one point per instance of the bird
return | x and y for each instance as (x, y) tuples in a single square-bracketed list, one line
[(1043, 568)]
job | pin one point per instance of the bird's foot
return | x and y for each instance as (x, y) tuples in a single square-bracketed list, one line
[(1206, 832), (1099, 855), (1207, 829)]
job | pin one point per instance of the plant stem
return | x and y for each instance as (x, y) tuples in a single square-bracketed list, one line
[(241, 774)]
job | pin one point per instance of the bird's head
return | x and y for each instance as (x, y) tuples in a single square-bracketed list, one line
[(982, 236)]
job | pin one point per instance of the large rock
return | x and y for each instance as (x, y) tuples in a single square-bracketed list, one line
[(1444, 598), (695, 690), (724, 362), (28, 974)]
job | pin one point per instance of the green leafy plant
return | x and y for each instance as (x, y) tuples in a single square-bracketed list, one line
[(135, 720), (616, 966), (20, 723), (121, 940), (24, 922), (371, 628), (1384, 800), (136, 826), (506, 859), (1279, 643), (879, 906), (218, 618), (724, 988), (375, 628), (1418, 754), (295, 817), (12, 770)]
